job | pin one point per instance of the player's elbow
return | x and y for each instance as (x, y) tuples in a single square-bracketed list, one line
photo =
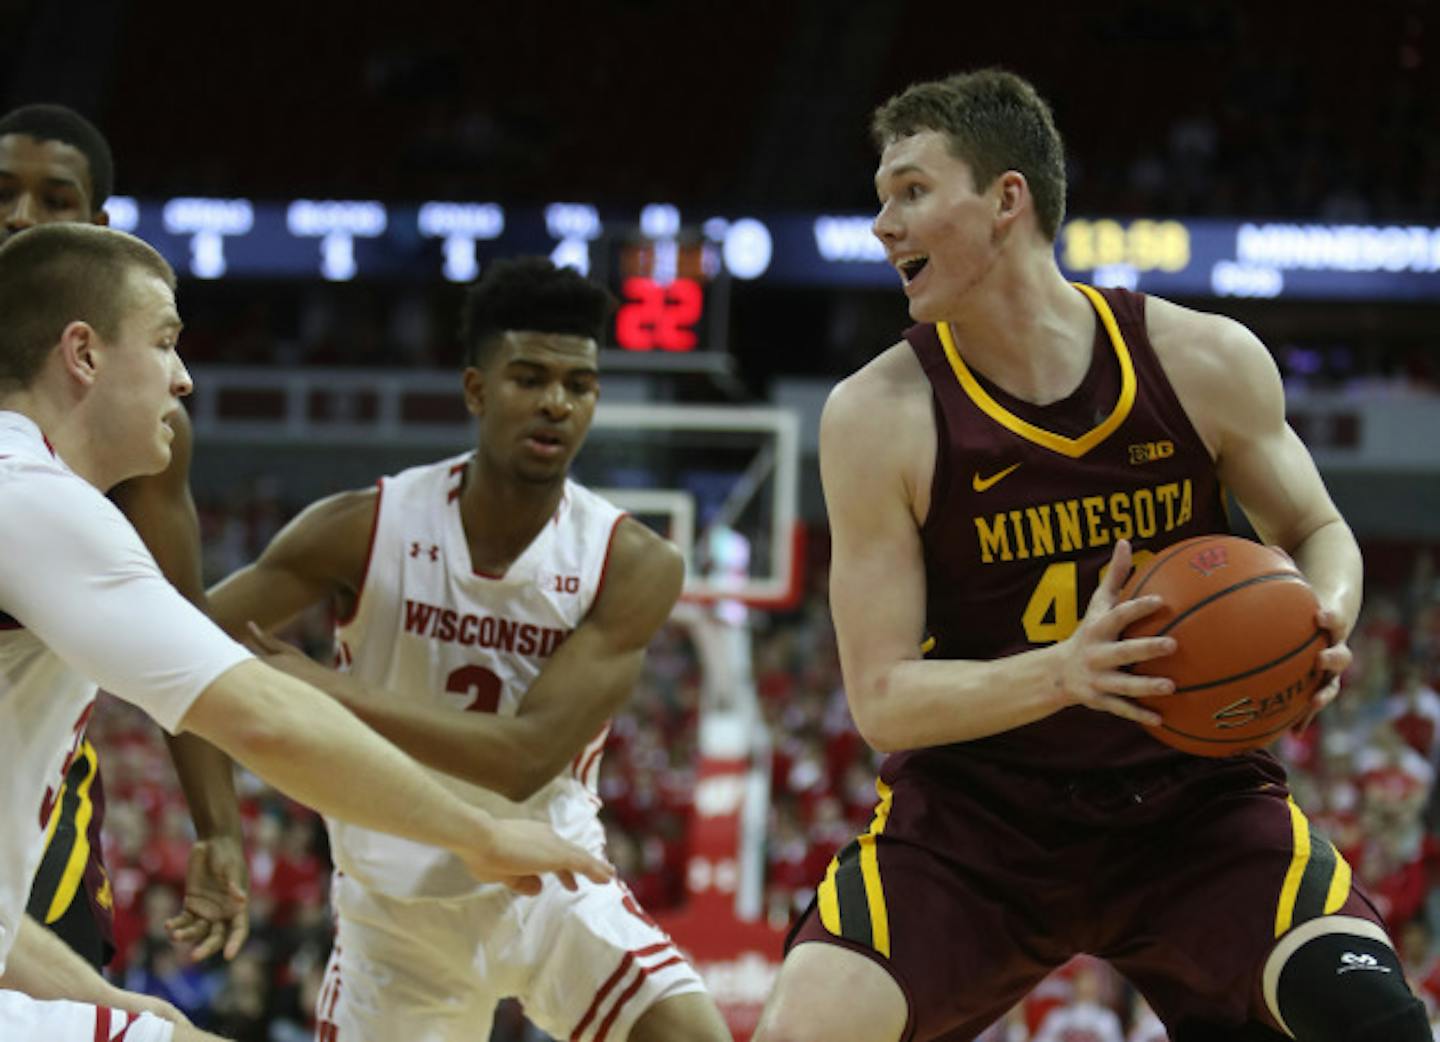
[(519, 786), (253, 713), (527, 768), (872, 708), (239, 726)]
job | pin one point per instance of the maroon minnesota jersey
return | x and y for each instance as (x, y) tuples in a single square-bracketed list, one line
[(1026, 505)]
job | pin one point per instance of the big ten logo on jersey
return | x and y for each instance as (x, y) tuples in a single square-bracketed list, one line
[(48, 802), (424, 551), (659, 316), (558, 583), (1150, 451)]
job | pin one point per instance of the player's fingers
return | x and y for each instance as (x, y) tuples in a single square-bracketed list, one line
[(1133, 610), (527, 885), (1114, 575), (186, 928), (1134, 685), (214, 937), (594, 869), (1129, 652), (239, 933), (189, 934), (1334, 660), (1123, 707), (567, 879), (1119, 570), (1326, 695), (1323, 698)]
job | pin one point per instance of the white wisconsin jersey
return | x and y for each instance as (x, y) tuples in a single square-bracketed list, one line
[(429, 629), (81, 602)]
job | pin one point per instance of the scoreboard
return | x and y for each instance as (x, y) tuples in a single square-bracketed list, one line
[(672, 271)]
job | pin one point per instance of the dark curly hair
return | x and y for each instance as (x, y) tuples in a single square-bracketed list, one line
[(57, 123), (995, 121), (531, 294)]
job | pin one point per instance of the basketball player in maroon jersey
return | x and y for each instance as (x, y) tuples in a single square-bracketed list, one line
[(56, 167), (981, 476)]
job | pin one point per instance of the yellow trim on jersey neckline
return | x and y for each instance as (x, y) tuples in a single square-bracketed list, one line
[(1072, 447)]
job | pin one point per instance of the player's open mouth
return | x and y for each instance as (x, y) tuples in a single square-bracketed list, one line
[(911, 267), (545, 444)]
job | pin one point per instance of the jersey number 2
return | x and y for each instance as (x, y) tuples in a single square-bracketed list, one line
[(1053, 612), (480, 684)]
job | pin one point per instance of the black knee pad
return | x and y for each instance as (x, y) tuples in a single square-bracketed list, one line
[(1343, 987)]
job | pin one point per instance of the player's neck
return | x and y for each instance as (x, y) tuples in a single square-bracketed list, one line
[(65, 432), (1028, 331), (502, 516)]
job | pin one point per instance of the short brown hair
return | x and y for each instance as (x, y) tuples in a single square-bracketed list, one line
[(55, 274), (995, 121)]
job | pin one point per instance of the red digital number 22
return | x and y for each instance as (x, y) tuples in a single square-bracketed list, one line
[(657, 316)]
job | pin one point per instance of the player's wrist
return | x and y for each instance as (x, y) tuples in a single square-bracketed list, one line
[(476, 836), (1054, 662)]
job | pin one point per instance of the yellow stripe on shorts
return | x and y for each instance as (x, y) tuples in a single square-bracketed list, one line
[(1318, 880), (851, 898), (79, 855)]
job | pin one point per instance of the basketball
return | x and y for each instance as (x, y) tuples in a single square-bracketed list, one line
[(1245, 667)]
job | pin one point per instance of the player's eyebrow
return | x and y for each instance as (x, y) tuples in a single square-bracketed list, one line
[(52, 181), (545, 367), (894, 172)]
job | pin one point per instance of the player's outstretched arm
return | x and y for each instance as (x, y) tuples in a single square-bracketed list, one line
[(318, 556), (314, 750), (589, 677), (1232, 392), (213, 916), (875, 427), (42, 966)]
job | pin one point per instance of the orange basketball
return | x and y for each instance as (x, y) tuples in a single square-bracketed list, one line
[(1245, 667)]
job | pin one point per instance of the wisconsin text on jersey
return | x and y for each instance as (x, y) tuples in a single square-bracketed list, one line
[(1084, 523), (485, 631)]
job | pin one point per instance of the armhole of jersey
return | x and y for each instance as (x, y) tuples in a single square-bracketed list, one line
[(605, 567), (1163, 386), (940, 479), (345, 620)]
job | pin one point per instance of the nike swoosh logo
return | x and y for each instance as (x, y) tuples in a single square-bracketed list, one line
[(980, 484)]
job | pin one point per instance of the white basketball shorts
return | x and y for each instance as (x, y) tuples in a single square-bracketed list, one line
[(585, 964)]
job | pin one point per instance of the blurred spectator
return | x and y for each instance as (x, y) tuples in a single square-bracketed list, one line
[(1088, 1016)]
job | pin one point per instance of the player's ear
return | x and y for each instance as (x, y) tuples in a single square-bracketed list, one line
[(79, 354), (473, 382), (1012, 195)]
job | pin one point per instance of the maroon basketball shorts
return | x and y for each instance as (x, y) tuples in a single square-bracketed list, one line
[(975, 881)]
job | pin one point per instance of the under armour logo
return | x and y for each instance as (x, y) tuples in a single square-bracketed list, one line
[(432, 550), (1350, 961)]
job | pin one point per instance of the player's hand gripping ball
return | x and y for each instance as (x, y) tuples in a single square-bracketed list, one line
[(1243, 619)]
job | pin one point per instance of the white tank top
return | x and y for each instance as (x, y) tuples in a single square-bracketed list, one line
[(429, 629)]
